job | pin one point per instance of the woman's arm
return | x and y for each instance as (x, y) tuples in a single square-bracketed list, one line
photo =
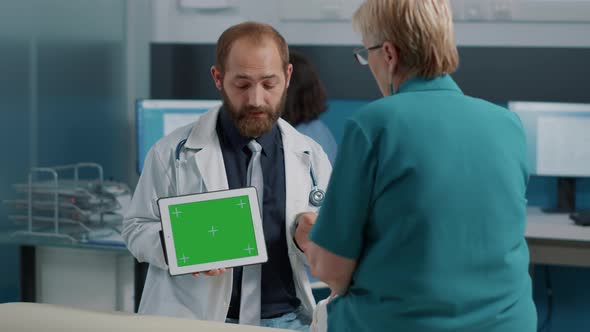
[(337, 238), (334, 270)]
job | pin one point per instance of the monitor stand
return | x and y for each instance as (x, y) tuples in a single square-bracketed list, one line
[(566, 196)]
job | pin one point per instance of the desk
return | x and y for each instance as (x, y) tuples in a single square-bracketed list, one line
[(26, 317), (554, 239), (46, 265), (90, 276)]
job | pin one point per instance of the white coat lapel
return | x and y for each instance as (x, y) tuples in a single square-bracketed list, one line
[(297, 178), (298, 185), (203, 139)]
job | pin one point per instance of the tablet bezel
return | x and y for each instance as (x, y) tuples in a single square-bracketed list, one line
[(170, 250)]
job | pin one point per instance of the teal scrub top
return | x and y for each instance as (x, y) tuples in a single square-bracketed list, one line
[(428, 195)]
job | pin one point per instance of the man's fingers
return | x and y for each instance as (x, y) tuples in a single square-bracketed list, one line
[(210, 273), (214, 272)]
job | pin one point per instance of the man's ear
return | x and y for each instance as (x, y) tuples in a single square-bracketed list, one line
[(289, 72), (216, 75)]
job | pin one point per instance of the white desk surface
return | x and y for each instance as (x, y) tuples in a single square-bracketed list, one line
[(16, 317), (554, 226)]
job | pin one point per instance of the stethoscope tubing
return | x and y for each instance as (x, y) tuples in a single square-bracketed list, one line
[(316, 195)]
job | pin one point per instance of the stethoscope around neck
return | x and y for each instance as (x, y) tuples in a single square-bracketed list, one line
[(316, 195)]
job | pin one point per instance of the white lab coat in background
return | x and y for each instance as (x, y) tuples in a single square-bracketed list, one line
[(200, 169)]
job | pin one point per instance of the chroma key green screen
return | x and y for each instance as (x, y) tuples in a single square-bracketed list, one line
[(213, 230)]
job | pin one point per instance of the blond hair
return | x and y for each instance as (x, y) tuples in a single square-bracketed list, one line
[(421, 31)]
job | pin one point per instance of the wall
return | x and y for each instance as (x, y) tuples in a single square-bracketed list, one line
[(171, 23)]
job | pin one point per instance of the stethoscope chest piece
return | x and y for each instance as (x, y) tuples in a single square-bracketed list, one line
[(316, 197)]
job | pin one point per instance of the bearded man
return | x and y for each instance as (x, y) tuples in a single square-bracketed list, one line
[(252, 73)]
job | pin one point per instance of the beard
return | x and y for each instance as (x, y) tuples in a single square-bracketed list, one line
[(254, 126)]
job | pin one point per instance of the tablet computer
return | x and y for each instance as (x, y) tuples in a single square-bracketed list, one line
[(212, 230)]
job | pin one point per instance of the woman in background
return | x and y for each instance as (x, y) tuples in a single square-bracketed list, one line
[(306, 100), (422, 228)]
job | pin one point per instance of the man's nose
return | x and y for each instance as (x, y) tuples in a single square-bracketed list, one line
[(256, 96)]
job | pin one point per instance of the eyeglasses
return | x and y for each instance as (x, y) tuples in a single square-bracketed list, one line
[(361, 54)]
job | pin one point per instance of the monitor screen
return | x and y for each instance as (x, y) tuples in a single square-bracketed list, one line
[(558, 137), (158, 118)]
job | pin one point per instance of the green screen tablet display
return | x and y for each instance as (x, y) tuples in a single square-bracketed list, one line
[(212, 230)]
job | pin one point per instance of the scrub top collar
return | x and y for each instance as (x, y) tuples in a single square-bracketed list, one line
[(443, 82)]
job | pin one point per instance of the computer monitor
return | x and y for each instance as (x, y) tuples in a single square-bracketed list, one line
[(158, 118), (558, 137)]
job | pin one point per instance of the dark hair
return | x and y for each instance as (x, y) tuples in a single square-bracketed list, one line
[(306, 96), (253, 31)]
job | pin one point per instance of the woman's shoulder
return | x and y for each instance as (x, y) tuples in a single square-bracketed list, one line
[(378, 113), (385, 106)]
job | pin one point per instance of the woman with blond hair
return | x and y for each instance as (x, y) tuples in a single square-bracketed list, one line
[(422, 228)]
